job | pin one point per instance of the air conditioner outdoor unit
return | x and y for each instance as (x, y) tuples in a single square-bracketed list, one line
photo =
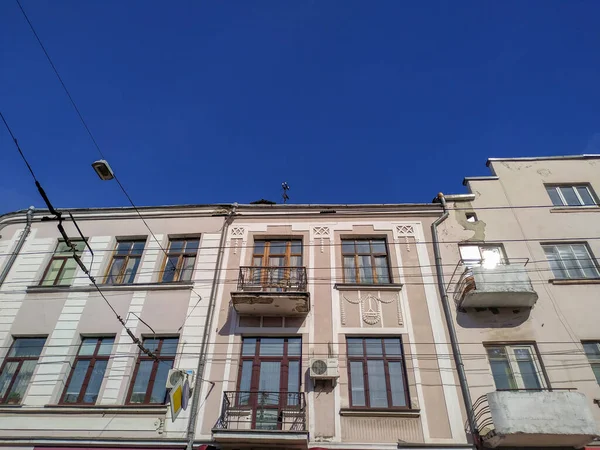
[(324, 368), (177, 375)]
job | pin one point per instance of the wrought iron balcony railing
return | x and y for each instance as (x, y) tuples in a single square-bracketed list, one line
[(263, 410), (272, 279)]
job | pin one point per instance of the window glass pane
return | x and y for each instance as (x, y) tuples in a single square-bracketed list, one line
[(277, 247), (268, 381), (192, 246), (170, 269), (527, 369), (503, 376), (293, 382), (21, 382), (88, 346), (123, 248), (130, 270), (27, 347), (188, 268), (397, 383), (259, 247), (77, 378), (348, 247), (68, 273), (392, 347), (554, 261), (245, 382), (266, 419), (115, 270), (553, 193), (381, 267), (176, 246), (378, 246), (106, 346), (169, 347), (569, 261), (294, 347), (470, 254), (592, 350), (585, 195), (296, 247), (491, 256), (582, 255), (365, 271), (138, 394), (52, 273), (377, 386), (63, 249), (596, 369), (91, 393), (355, 346), (349, 269), (358, 383), (138, 248), (374, 347), (248, 346), (569, 194), (7, 376), (151, 344), (159, 390), (363, 248), (271, 347)]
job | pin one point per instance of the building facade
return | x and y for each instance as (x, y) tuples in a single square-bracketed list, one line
[(71, 374), (299, 326), (520, 260)]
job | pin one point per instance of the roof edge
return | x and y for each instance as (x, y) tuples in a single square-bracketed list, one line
[(544, 158)]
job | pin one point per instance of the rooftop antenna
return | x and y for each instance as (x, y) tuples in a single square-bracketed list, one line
[(285, 188)]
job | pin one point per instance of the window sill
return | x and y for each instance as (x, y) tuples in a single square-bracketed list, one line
[(572, 209), (375, 412), (368, 287), (86, 409), (574, 281), (112, 287)]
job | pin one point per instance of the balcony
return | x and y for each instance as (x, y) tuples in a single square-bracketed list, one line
[(272, 291), (535, 418), (501, 286), (266, 419)]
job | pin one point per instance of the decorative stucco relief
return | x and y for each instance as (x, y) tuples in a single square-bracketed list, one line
[(237, 235), (370, 307), (322, 233), (404, 231)]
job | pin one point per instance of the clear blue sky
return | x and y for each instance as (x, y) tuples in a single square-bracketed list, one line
[(349, 102)]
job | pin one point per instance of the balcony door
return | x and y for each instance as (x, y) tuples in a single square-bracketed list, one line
[(269, 379), (277, 264)]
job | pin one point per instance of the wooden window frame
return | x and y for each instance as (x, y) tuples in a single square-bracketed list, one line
[(573, 186), (266, 254), (20, 360), (65, 259), (150, 386), (93, 358), (372, 254), (181, 257), (385, 358), (120, 277), (284, 372), (509, 349)]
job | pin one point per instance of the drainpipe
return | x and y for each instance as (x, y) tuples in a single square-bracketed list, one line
[(460, 368), (15, 253), (191, 429)]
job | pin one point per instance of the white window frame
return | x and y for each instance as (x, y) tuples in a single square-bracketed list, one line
[(557, 189), (593, 361), (514, 366), (481, 260), (590, 258)]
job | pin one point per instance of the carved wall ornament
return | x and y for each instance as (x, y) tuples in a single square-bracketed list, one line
[(322, 233), (370, 308), (404, 231), (237, 234)]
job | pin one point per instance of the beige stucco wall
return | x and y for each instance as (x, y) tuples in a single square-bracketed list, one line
[(516, 211)]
